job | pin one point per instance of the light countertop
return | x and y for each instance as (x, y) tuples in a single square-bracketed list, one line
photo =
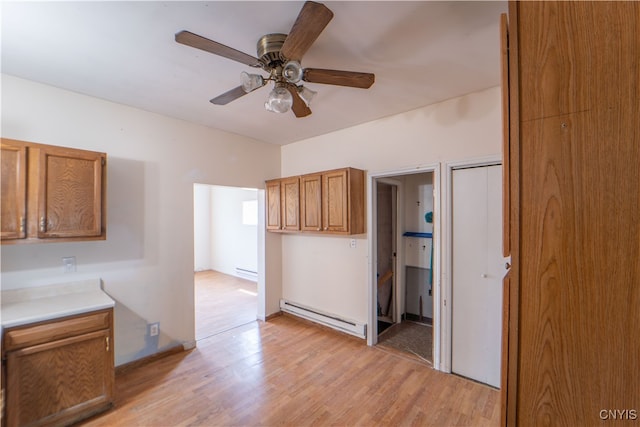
[(30, 305)]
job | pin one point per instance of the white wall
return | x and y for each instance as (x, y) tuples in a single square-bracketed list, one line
[(234, 244), (147, 261), (201, 227), (324, 272)]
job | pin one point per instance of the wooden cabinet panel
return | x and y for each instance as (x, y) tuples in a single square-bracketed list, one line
[(283, 204), (274, 221), (583, 47), (311, 202), (335, 206), (20, 337), (290, 209), (552, 81), (52, 193), (60, 381), (70, 193), (14, 190)]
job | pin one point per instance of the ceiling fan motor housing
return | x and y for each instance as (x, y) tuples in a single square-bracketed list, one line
[(269, 49)]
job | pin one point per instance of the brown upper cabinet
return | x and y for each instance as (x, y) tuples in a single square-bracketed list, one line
[(330, 202), (311, 202), (52, 193), (14, 190), (283, 204), (274, 220), (283, 201)]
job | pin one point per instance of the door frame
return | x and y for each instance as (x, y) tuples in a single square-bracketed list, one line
[(372, 289), (447, 254)]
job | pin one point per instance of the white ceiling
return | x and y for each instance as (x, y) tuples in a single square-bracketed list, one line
[(420, 52)]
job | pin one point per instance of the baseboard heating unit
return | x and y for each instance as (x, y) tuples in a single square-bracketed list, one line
[(344, 325), (247, 274)]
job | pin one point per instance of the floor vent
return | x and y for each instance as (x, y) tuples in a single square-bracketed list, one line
[(349, 326)]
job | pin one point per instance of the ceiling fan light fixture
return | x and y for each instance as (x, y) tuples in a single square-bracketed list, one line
[(306, 94), (251, 82), (279, 100), (292, 71)]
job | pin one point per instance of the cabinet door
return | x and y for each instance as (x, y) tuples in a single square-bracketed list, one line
[(70, 199), (290, 195), (14, 190), (273, 205), (311, 202), (335, 206), (62, 380)]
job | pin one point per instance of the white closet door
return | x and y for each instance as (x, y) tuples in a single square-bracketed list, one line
[(477, 273)]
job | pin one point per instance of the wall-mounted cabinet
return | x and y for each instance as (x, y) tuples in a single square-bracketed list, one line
[(283, 204), (330, 202), (51, 193)]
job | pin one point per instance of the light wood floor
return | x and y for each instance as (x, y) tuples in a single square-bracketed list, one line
[(223, 302), (291, 372)]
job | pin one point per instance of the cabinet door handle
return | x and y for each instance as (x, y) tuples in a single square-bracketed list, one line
[(106, 340), (43, 224), (23, 223)]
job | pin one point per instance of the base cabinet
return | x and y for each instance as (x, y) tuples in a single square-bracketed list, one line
[(59, 372)]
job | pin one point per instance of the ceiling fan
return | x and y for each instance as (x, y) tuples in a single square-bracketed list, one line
[(280, 55)]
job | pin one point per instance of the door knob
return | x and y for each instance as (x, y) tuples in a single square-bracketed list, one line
[(483, 275)]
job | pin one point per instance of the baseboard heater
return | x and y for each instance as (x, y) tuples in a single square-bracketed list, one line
[(344, 325), (247, 274)]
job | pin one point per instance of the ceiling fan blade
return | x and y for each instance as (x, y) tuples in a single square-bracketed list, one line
[(338, 77), (311, 20), (299, 108), (228, 96), (190, 39)]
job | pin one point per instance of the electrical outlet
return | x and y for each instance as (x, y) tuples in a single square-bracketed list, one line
[(154, 329), (353, 243), (69, 264)]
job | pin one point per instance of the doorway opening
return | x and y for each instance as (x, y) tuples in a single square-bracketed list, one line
[(403, 214), (225, 258)]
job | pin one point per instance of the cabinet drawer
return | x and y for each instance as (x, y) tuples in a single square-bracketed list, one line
[(23, 336)]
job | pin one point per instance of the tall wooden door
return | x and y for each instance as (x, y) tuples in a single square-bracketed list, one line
[(477, 273), (574, 84), (386, 250)]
